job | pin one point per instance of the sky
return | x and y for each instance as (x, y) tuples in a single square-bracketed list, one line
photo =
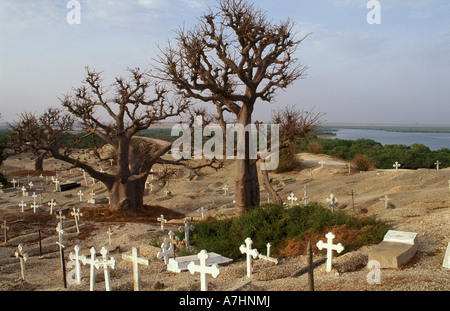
[(394, 72)]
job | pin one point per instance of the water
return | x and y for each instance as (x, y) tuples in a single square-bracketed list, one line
[(434, 141)]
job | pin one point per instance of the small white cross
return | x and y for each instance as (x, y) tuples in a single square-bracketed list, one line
[(22, 205), (333, 202), (109, 235), (5, 228), (92, 195), (52, 204), (165, 252), (14, 182), (34, 197), (396, 165), (81, 194), (34, 206), (225, 189), (330, 247), (23, 258), (203, 269), (437, 165), (268, 258), (186, 229), (30, 184), (136, 260), (385, 199), (162, 220), (24, 191), (76, 214), (292, 198), (247, 249), (321, 162), (202, 211), (58, 188)]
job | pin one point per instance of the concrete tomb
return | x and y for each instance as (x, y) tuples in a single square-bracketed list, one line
[(180, 264)]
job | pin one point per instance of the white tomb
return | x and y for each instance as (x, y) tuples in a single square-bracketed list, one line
[(180, 264)]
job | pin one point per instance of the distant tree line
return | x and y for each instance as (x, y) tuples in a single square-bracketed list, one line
[(382, 157)]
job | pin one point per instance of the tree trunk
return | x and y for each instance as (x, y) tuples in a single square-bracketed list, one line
[(266, 182), (247, 185), (128, 196), (39, 163)]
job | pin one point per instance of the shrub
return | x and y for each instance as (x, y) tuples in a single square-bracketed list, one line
[(362, 162), (315, 147), (287, 160)]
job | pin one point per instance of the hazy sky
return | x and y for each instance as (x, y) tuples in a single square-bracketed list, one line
[(394, 72)]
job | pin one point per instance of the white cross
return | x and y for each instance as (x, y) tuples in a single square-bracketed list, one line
[(81, 194), (396, 165), (24, 191), (30, 184), (34, 197), (76, 256), (105, 263), (437, 164), (186, 229), (247, 248), (166, 251), (22, 205), (225, 189), (330, 247), (91, 261), (203, 269), (202, 211), (109, 235), (52, 204), (60, 233), (385, 199), (92, 195), (136, 260), (58, 188), (14, 182), (162, 220), (321, 162), (111, 161), (76, 214), (292, 198), (23, 258), (34, 206), (167, 192), (93, 180), (333, 202), (268, 258)]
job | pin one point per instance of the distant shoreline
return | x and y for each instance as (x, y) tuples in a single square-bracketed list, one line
[(391, 128)]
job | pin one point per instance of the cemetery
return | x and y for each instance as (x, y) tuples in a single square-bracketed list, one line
[(65, 219)]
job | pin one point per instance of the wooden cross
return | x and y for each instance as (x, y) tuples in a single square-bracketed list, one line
[(76, 214), (81, 194), (6, 229), (396, 165), (77, 258), (330, 247), (136, 260), (162, 220), (23, 258), (186, 229), (385, 199), (166, 251), (225, 189), (105, 263), (52, 204), (247, 249), (333, 202), (437, 164), (91, 261), (292, 198), (22, 205), (203, 269), (268, 258), (310, 268)]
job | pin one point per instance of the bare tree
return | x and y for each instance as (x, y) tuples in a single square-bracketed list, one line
[(233, 58), (116, 120)]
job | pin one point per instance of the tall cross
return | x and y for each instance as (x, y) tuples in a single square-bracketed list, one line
[(136, 260), (247, 249), (385, 199), (77, 258), (333, 202), (22, 205), (52, 204), (203, 269), (76, 214), (109, 235), (34, 206), (24, 191), (162, 220), (292, 198), (396, 165), (186, 229), (23, 258), (60, 231), (165, 252), (330, 247), (6, 229), (91, 261), (81, 194), (14, 182), (202, 211), (105, 263), (437, 164)]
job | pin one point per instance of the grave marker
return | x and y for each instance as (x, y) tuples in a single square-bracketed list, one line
[(321, 162), (77, 258), (396, 165), (437, 165), (166, 251), (267, 257), (247, 249), (60, 231), (34, 206), (91, 261), (76, 214), (5, 230), (225, 189), (333, 202), (105, 263), (162, 220), (136, 260), (109, 235), (186, 229), (204, 270), (386, 201), (52, 204), (202, 211), (22, 205), (30, 184), (292, 198), (24, 191), (14, 182), (330, 247), (23, 258), (81, 194), (446, 263)]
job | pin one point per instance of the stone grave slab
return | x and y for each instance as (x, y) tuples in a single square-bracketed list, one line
[(396, 249), (69, 185), (181, 263)]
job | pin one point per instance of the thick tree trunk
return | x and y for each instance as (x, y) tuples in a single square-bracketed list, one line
[(268, 186), (128, 196), (39, 163)]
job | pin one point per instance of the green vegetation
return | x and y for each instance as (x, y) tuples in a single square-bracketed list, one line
[(280, 226), (383, 157), (391, 128)]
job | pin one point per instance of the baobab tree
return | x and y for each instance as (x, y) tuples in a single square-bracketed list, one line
[(234, 58)]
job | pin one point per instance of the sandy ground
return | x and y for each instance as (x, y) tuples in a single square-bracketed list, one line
[(420, 203)]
